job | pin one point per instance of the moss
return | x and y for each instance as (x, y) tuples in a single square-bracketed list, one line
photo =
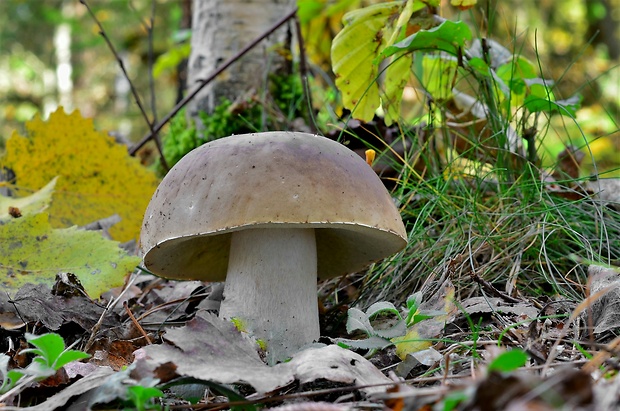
[(273, 111)]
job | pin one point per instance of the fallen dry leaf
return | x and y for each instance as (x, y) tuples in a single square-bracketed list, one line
[(212, 349)]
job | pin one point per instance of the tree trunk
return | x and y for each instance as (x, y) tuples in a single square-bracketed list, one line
[(220, 28)]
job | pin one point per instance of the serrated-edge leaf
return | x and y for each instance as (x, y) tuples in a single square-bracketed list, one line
[(398, 329), (35, 253), (357, 320), (371, 343), (382, 307)]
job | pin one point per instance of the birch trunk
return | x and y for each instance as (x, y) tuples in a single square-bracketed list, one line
[(220, 28)]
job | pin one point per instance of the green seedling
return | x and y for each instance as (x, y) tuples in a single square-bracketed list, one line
[(377, 337), (9, 377), (414, 314), (508, 361), (141, 398), (50, 356)]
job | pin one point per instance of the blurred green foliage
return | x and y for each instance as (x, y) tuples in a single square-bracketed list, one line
[(575, 41)]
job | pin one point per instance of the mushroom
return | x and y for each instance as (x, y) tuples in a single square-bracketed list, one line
[(269, 213)]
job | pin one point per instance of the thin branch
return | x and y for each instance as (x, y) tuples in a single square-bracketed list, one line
[(303, 72), (204, 82), (134, 92)]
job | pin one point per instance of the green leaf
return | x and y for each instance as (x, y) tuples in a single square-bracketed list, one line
[(453, 399), (357, 320), (33, 252), (32, 204), (382, 308), (353, 52), (449, 36), (49, 346), (520, 67), (141, 396), (396, 77), (566, 107), (69, 356), (9, 378), (508, 361), (372, 343), (169, 60), (480, 66), (438, 76), (51, 351)]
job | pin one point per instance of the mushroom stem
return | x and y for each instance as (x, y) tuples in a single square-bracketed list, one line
[(271, 287)]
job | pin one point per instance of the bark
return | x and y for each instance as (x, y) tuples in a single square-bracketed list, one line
[(220, 28)]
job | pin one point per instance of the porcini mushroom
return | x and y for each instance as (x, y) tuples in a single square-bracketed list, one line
[(269, 213)]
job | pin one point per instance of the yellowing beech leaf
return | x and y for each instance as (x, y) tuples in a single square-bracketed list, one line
[(396, 77), (32, 204), (97, 176), (353, 52), (34, 252)]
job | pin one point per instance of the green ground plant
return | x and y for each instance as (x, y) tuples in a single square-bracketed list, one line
[(279, 106), (50, 355), (471, 186)]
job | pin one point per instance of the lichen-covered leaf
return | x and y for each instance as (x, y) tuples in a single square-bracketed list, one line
[(32, 204), (97, 176), (34, 252)]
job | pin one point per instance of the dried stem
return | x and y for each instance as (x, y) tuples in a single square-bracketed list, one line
[(303, 71), (134, 92)]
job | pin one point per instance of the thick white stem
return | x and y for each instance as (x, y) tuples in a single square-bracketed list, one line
[(271, 287)]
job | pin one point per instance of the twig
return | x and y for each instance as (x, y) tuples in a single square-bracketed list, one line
[(134, 92), (113, 301), (490, 288), (204, 82), (303, 71), (136, 323)]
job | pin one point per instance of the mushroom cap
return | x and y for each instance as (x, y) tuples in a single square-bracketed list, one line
[(272, 179)]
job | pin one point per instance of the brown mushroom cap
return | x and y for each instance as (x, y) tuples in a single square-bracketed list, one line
[(273, 179)]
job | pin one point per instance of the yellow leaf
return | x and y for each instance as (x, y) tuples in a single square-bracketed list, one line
[(410, 343), (33, 252), (97, 176), (463, 4)]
